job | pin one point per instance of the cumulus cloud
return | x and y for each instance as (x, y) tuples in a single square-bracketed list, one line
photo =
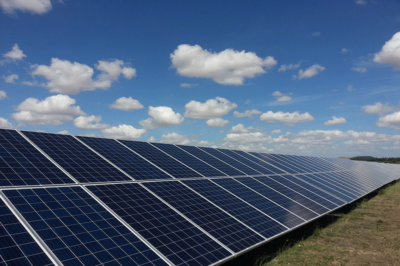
[(335, 121), (64, 132), (350, 88), (4, 123), (251, 137), (11, 78), (212, 108), (188, 85), (390, 53), (126, 104), (32, 6), (360, 2), (277, 94), (345, 51), (390, 121), (89, 122), (123, 132), (152, 139), (72, 78), (228, 67), (359, 69), (378, 108), (3, 95), (15, 53), (239, 128), (247, 113), (276, 131), (284, 99), (217, 122), (53, 110), (163, 116), (286, 118), (286, 67), (175, 138), (309, 72)]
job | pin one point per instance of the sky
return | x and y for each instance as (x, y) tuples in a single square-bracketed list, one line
[(312, 77)]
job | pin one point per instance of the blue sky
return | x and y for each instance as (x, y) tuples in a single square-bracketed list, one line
[(316, 77)]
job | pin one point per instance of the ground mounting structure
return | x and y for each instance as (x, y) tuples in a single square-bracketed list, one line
[(72, 200)]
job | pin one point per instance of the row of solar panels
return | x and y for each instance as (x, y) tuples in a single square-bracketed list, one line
[(91, 201)]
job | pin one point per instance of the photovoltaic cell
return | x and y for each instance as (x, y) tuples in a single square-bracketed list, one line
[(131, 163), (237, 208), (22, 164), (154, 155), (346, 183), (283, 159), (278, 198), (237, 156), (297, 193), (78, 229), (270, 167), (211, 160), (266, 159), (17, 247), (189, 160), (219, 224), (75, 158), (225, 158), (261, 203), (176, 238), (301, 163)]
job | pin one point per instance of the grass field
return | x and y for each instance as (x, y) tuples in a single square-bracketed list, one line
[(366, 232)]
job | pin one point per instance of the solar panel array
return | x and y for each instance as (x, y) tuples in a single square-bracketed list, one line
[(67, 200)]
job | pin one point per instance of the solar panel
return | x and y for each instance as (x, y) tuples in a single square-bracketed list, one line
[(22, 164), (78, 230), (78, 160), (93, 201), (129, 162)]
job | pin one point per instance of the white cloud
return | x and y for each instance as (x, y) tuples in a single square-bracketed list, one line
[(335, 121), (286, 67), (345, 51), (53, 110), (64, 132), (350, 88), (286, 118), (247, 101), (276, 131), (309, 72), (212, 108), (15, 53), (3, 95), (89, 122), (359, 69), (31, 6), (217, 122), (252, 137), (4, 123), (72, 78), (360, 2), (378, 108), (284, 99), (315, 34), (163, 116), (126, 104), (11, 78), (204, 143), (390, 121), (239, 128), (277, 94), (188, 85), (228, 67), (390, 53), (247, 113), (175, 138), (152, 139), (123, 132)]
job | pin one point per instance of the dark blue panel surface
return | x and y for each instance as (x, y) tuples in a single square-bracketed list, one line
[(238, 165), (345, 183), (307, 162), (78, 160), (297, 193), (211, 160), (160, 159), (17, 247), (270, 167), (304, 165), (22, 164), (238, 155), (283, 159), (125, 159), (78, 229), (265, 158), (319, 192), (219, 224), (261, 203), (189, 160), (330, 188), (179, 240), (278, 198), (364, 183), (237, 208)]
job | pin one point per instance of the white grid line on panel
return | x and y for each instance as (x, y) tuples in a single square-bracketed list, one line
[(238, 161), (133, 231), (268, 163), (31, 231)]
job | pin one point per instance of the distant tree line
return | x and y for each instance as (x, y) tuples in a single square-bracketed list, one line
[(379, 160)]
